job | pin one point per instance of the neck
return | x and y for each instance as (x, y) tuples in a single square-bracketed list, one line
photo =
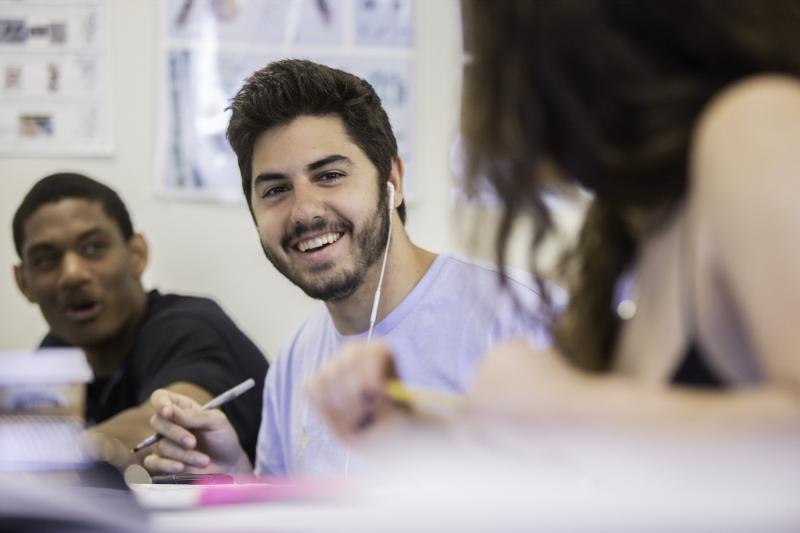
[(106, 357), (405, 266)]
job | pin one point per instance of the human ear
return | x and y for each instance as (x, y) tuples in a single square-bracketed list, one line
[(138, 249), (396, 179), (22, 283)]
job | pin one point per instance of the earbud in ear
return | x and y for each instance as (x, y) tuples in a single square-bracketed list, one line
[(391, 195)]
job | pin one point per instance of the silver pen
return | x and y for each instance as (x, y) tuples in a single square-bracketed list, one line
[(213, 403)]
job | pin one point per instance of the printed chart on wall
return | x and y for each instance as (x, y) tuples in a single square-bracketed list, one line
[(55, 97), (212, 46)]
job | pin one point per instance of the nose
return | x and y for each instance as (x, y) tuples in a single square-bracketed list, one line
[(307, 204), (74, 270)]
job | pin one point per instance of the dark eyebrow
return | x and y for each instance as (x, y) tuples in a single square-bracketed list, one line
[(268, 176), (314, 165), (335, 158), (42, 247), (49, 247), (93, 232)]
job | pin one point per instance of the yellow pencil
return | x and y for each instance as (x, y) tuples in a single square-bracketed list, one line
[(422, 399)]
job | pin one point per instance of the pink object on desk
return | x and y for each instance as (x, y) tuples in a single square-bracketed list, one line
[(273, 489)]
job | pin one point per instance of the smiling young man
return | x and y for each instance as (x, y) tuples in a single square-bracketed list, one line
[(317, 156), (81, 262)]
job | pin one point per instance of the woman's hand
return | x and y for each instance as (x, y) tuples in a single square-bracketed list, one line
[(349, 391)]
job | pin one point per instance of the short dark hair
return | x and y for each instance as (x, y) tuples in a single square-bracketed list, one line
[(287, 89), (62, 185)]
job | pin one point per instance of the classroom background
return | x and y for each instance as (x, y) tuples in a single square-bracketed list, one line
[(211, 248)]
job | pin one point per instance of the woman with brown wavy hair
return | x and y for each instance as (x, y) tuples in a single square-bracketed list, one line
[(681, 119)]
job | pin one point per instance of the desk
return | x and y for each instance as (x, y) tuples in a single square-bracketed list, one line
[(560, 481), (564, 484)]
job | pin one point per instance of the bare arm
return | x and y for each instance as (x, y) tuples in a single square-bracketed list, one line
[(746, 169), (519, 387)]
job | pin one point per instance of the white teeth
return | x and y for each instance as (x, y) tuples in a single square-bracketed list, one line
[(317, 242)]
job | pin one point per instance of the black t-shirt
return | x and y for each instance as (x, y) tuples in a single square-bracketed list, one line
[(184, 338)]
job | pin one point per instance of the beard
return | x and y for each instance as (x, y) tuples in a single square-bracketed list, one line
[(368, 245)]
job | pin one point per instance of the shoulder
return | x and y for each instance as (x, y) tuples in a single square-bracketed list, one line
[(177, 313), (762, 98), (505, 304), (192, 322), (743, 218), (750, 130), (164, 305), (484, 279), (743, 166), (485, 273)]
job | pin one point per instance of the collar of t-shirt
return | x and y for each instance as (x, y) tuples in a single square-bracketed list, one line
[(406, 306)]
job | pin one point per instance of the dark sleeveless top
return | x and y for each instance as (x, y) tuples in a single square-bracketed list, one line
[(694, 371)]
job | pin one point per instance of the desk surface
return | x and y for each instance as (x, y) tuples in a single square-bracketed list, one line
[(630, 494), (564, 482)]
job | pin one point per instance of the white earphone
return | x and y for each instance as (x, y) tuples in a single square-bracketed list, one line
[(391, 195), (377, 298)]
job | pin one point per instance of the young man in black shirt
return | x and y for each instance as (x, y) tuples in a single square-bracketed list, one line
[(81, 263)]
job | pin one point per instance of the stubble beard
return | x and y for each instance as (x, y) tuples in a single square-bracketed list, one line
[(369, 244)]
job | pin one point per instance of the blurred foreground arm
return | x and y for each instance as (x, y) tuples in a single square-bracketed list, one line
[(518, 386), (349, 392)]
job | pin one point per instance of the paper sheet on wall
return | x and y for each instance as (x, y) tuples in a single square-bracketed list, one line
[(55, 95), (211, 47)]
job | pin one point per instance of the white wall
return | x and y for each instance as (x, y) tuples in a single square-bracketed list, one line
[(211, 249)]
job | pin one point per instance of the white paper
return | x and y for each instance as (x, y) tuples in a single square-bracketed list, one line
[(55, 96), (211, 47)]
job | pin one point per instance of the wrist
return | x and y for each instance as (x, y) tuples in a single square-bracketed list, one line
[(241, 464)]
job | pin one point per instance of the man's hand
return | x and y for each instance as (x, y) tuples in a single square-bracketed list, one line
[(349, 392), (129, 427), (194, 441)]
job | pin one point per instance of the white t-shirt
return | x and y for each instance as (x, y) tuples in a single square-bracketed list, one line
[(437, 334)]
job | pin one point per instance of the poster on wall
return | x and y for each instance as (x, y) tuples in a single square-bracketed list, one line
[(212, 46), (55, 97)]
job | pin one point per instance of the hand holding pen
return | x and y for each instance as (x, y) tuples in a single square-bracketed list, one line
[(359, 388), (219, 401), (195, 438)]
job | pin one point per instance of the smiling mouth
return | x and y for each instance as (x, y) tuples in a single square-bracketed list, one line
[(318, 243)]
